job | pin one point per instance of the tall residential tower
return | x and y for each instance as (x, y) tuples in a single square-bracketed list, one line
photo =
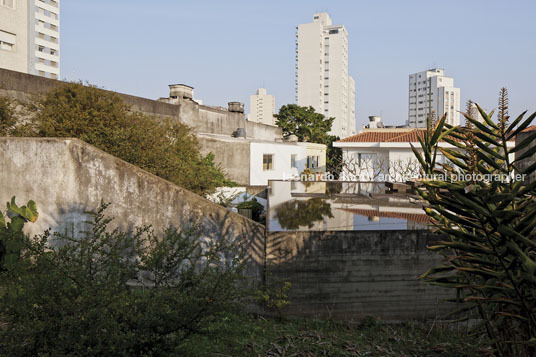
[(322, 79), (30, 36), (262, 107), (430, 91)]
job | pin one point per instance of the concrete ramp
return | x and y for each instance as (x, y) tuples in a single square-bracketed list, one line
[(67, 178)]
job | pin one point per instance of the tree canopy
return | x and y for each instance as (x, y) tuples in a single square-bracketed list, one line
[(313, 127)]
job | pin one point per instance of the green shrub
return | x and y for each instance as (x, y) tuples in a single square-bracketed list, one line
[(113, 293), (166, 148)]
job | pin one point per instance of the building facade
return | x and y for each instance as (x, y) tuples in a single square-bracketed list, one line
[(322, 79), (30, 37), (262, 107), (432, 92), (386, 155)]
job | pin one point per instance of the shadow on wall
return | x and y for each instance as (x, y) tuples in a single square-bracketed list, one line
[(351, 274), (68, 178)]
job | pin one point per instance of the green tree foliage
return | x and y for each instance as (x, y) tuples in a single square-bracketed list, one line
[(296, 213), (165, 148), (488, 226), (115, 294), (312, 127), (8, 120)]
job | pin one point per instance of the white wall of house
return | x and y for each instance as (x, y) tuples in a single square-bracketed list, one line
[(288, 159), (281, 154), (396, 160)]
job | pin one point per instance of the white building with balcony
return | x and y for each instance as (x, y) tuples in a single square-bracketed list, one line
[(30, 36), (432, 92), (322, 79)]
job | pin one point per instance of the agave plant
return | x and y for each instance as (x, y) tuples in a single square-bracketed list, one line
[(486, 218), (11, 230)]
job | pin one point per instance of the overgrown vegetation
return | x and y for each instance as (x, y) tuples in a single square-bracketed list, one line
[(112, 293), (243, 335), (488, 221), (163, 147)]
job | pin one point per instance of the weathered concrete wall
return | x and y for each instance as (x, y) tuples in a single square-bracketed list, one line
[(232, 157), (351, 274), (67, 178), (203, 119)]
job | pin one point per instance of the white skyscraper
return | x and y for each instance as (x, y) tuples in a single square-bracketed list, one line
[(430, 91), (262, 107), (30, 36), (322, 79)]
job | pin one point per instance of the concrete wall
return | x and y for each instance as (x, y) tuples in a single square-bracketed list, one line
[(231, 155), (351, 274), (67, 177), (203, 119)]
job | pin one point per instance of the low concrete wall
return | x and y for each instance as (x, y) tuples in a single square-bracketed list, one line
[(67, 178), (351, 274)]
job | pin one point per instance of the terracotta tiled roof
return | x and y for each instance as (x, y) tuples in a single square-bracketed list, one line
[(530, 128), (393, 136), (385, 136), (412, 217)]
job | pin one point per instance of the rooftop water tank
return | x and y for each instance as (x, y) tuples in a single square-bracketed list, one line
[(181, 91), (236, 107)]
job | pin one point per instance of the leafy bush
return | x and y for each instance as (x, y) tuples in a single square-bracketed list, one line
[(8, 120), (113, 293), (489, 226), (166, 148), (11, 235)]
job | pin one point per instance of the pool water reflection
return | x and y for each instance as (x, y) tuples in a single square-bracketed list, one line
[(333, 206)]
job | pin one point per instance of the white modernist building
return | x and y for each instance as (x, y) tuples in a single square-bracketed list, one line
[(322, 79), (432, 92), (30, 36), (262, 107)]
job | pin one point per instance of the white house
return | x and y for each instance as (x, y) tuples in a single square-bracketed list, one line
[(384, 154), (281, 160)]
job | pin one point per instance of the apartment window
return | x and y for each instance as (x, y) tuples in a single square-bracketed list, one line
[(40, 48), (267, 162), (332, 32), (312, 162), (8, 3), (7, 40), (6, 46), (293, 161)]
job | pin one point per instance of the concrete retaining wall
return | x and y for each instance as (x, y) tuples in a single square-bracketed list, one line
[(67, 178), (351, 274)]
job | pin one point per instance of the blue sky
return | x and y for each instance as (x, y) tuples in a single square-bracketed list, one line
[(227, 49)]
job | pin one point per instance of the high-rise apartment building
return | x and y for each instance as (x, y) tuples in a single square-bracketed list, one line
[(432, 92), (322, 79), (30, 36), (262, 107)]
